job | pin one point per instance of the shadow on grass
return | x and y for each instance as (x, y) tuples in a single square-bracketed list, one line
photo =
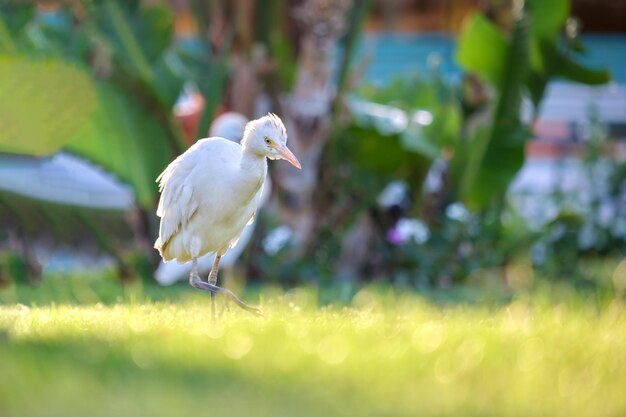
[(96, 378)]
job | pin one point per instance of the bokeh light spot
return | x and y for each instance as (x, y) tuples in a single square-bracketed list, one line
[(237, 344), (333, 349), (428, 338)]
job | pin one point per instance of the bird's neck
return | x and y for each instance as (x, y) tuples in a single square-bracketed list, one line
[(253, 163)]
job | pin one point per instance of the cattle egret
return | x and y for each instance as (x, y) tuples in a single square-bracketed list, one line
[(209, 194), (229, 125)]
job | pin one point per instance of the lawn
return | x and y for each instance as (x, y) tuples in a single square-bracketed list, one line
[(156, 352)]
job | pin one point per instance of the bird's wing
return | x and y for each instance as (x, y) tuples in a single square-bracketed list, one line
[(262, 197), (259, 199), (177, 204), (181, 191), (234, 242)]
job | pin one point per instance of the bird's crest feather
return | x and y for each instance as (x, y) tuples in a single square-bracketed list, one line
[(270, 119)]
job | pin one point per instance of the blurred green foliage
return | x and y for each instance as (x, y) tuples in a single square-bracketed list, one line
[(376, 151), (471, 142), (33, 120), (487, 161), (103, 88), (535, 52), (125, 138), (101, 83), (598, 229), (99, 79)]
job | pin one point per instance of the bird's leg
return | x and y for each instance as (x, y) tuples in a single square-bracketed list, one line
[(213, 274), (194, 278), (212, 280), (210, 286), (193, 275)]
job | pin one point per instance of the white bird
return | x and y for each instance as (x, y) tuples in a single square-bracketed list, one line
[(229, 125), (209, 194)]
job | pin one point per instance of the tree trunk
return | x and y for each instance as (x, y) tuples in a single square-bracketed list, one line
[(307, 111)]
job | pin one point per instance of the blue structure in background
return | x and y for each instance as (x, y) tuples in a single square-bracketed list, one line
[(396, 54), (393, 55), (607, 50)]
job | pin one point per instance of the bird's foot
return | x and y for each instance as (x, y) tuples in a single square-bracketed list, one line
[(196, 282), (230, 296)]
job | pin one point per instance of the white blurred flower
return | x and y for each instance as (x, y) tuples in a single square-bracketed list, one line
[(277, 239), (557, 232), (538, 253), (605, 214), (619, 228), (393, 194), (587, 236), (458, 212), (434, 178), (406, 230)]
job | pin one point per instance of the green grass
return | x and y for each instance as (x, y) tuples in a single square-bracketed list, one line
[(71, 349)]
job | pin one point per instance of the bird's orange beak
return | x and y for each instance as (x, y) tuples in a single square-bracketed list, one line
[(286, 154)]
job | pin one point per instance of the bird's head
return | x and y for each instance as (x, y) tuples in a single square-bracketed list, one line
[(267, 136)]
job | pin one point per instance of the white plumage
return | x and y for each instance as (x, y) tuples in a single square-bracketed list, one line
[(210, 192), (229, 125), (208, 195)]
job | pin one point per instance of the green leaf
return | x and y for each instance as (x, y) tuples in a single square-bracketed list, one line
[(270, 30), (51, 32), (42, 103), (217, 80), (7, 45), (553, 62), (46, 105), (118, 24), (184, 60), (285, 60), (445, 128), (16, 15), (536, 84), (357, 17), (574, 71), (375, 153), (426, 94), (497, 152), (126, 139), (481, 48), (503, 158), (415, 140), (548, 16), (154, 27)]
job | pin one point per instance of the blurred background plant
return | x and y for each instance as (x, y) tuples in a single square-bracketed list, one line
[(415, 180)]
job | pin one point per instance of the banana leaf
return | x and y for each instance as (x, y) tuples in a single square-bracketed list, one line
[(138, 34), (482, 48), (357, 18), (429, 97), (548, 16), (14, 16), (534, 54), (47, 105), (212, 91), (270, 30), (551, 60), (495, 153), (126, 139), (42, 103)]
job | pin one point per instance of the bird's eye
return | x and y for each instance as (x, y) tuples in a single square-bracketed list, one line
[(268, 140)]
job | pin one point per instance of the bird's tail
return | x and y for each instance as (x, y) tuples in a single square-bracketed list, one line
[(162, 248), (158, 246)]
